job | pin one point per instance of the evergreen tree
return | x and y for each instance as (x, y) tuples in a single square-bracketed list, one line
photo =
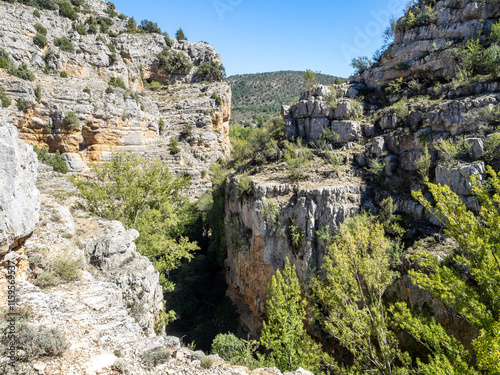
[(180, 35), (350, 297), (469, 279), (284, 332)]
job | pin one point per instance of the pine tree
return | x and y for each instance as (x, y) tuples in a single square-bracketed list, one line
[(180, 35), (284, 333)]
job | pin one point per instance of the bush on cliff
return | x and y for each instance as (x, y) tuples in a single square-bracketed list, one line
[(211, 71)]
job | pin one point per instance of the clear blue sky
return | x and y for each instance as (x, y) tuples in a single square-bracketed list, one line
[(262, 35)]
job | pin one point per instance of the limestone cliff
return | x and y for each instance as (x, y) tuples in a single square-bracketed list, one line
[(373, 118), (279, 221), (105, 88), (19, 197), (425, 41)]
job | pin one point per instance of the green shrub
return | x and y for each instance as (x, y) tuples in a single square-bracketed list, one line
[(109, 90), (93, 28), (155, 357), (6, 101), (452, 150), (237, 351), (38, 93), (161, 125), (211, 71), (174, 146), (66, 10), (47, 4), (228, 346), (187, 131), (400, 109), (117, 82), (418, 17), (54, 160), (495, 32), (217, 99), (36, 13), (119, 366), (172, 62), (296, 237), (423, 165), (87, 90), (153, 85), (35, 341), (81, 29), (360, 64), (22, 72), (394, 87), (491, 60), (112, 47), (22, 105), (244, 185), (131, 25), (40, 40), (63, 74), (40, 29), (491, 147), (168, 41), (64, 44), (58, 271), (5, 61), (376, 170), (71, 120), (298, 159)]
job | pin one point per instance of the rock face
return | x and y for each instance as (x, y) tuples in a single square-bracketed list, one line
[(312, 117), (276, 222), (115, 255), (383, 133), (424, 49), (19, 197), (111, 116)]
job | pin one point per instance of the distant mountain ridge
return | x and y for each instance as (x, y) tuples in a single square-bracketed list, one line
[(263, 94)]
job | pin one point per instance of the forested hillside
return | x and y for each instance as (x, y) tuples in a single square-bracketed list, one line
[(258, 96)]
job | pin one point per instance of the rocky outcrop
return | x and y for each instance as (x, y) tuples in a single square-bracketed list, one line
[(278, 221), (424, 42), (124, 114), (314, 115), (197, 117), (115, 255), (19, 197)]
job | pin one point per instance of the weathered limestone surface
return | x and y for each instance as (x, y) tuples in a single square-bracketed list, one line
[(427, 50), (259, 232), (125, 119), (19, 197)]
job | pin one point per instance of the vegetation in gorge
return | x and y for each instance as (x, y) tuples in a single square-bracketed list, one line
[(284, 333), (144, 195)]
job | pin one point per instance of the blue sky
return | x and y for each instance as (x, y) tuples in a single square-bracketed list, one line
[(262, 36)]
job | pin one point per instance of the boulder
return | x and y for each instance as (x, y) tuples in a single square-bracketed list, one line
[(458, 178), (348, 131)]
